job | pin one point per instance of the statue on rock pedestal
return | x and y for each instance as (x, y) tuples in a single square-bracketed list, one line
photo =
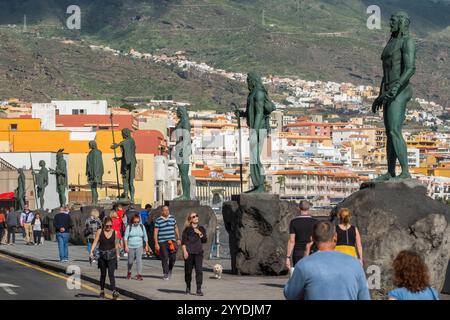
[(94, 169), (20, 191), (61, 177), (258, 110), (127, 163), (41, 178), (183, 151), (398, 58)]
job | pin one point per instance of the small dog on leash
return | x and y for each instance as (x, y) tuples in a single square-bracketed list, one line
[(218, 269)]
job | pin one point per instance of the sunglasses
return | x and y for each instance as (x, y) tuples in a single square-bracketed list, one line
[(194, 216), (108, 225)]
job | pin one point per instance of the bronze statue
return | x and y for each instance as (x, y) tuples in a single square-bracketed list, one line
[(20, 191), (94, 169), (61, 177), (398, 58), (127, 163), (41, 178), (183, 151), (258, 110)]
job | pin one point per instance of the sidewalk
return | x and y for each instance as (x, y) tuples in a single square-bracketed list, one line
[(230, 287)]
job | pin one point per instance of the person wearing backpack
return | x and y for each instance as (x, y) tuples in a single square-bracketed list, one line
[(92, 224), (135, 239)]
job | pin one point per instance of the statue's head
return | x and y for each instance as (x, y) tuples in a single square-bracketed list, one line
[(20, 171), (400, 22), (126, 133), (93, 144), (182, 113), (253, 80), (42, 163)]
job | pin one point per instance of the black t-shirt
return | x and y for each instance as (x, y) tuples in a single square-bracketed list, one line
[(302, 227), (192, 240)]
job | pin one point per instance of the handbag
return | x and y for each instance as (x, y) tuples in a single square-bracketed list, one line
[(108, 255)]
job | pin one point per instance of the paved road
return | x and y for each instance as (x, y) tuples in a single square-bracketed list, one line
[(29, 282)]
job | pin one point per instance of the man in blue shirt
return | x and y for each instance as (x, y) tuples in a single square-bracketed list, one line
[(145, 213), (327, 274), (63, 223)]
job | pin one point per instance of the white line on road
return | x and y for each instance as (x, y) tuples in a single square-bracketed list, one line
[(7, 287)]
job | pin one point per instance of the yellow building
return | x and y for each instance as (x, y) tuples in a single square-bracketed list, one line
[(29, 138)]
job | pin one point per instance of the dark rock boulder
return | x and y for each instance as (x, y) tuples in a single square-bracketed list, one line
[(258, 228), (396, 215)]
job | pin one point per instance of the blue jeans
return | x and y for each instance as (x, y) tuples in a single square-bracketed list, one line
[(63, 245)]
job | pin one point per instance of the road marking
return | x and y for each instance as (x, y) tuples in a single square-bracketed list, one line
[(7, 287), (56, 275)]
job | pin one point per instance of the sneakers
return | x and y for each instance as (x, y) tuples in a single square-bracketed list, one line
[(125, 254), (139, 277), (115, 294), (166, 277), (102, 295), (188, 290), (199, 293), (128, 275)]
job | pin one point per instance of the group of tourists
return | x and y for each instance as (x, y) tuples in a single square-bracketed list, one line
[(124, 233), (29, 222), (326, 263)]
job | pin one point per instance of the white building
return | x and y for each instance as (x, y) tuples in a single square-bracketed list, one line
[(74, 107)]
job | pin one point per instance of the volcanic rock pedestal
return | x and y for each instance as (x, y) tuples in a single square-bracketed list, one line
[(396, 215), (258, 228), (180, 209)]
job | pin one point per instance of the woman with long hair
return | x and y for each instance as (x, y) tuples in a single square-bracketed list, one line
[(348, 237), (108, 255), (192, 239), (411, 278)]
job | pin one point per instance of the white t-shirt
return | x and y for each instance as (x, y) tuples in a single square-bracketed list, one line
[(37, 225)]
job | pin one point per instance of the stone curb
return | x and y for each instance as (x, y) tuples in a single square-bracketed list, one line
[(61, 269)]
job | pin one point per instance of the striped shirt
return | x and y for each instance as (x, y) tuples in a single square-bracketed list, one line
[(166, 228)]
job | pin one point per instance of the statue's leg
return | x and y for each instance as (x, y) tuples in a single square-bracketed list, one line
[(94, 193), (396, 117), (255, 162), (390, 151), (41, 198), (125, 184), (185, 182), (131, 176)]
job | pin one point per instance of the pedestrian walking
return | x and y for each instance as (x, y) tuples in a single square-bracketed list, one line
[(37, 229), (136, 242), (25, 221), (145, 213), (327, 274), (92, 224), (118, 227), (63, 223), (12, 223), (348, 237), (108, 250), (2, 224), (411, 278), (300, 232), (192, 241), (167, 240)]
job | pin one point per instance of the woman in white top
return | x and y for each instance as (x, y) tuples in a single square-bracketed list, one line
[(36, 224)]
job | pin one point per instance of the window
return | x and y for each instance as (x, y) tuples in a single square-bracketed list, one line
[(57, 112), (13, 127), (82, 111), (74, 111)]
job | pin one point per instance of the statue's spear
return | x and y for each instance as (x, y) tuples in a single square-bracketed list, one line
[(34, 183), (115, 155), (236, 109)]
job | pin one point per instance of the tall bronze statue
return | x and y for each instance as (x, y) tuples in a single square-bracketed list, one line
[(183, 151), (398, 58), (41, 178), (94, 169), (257, 113), (61, 177), (20, 191), (127, 163)]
